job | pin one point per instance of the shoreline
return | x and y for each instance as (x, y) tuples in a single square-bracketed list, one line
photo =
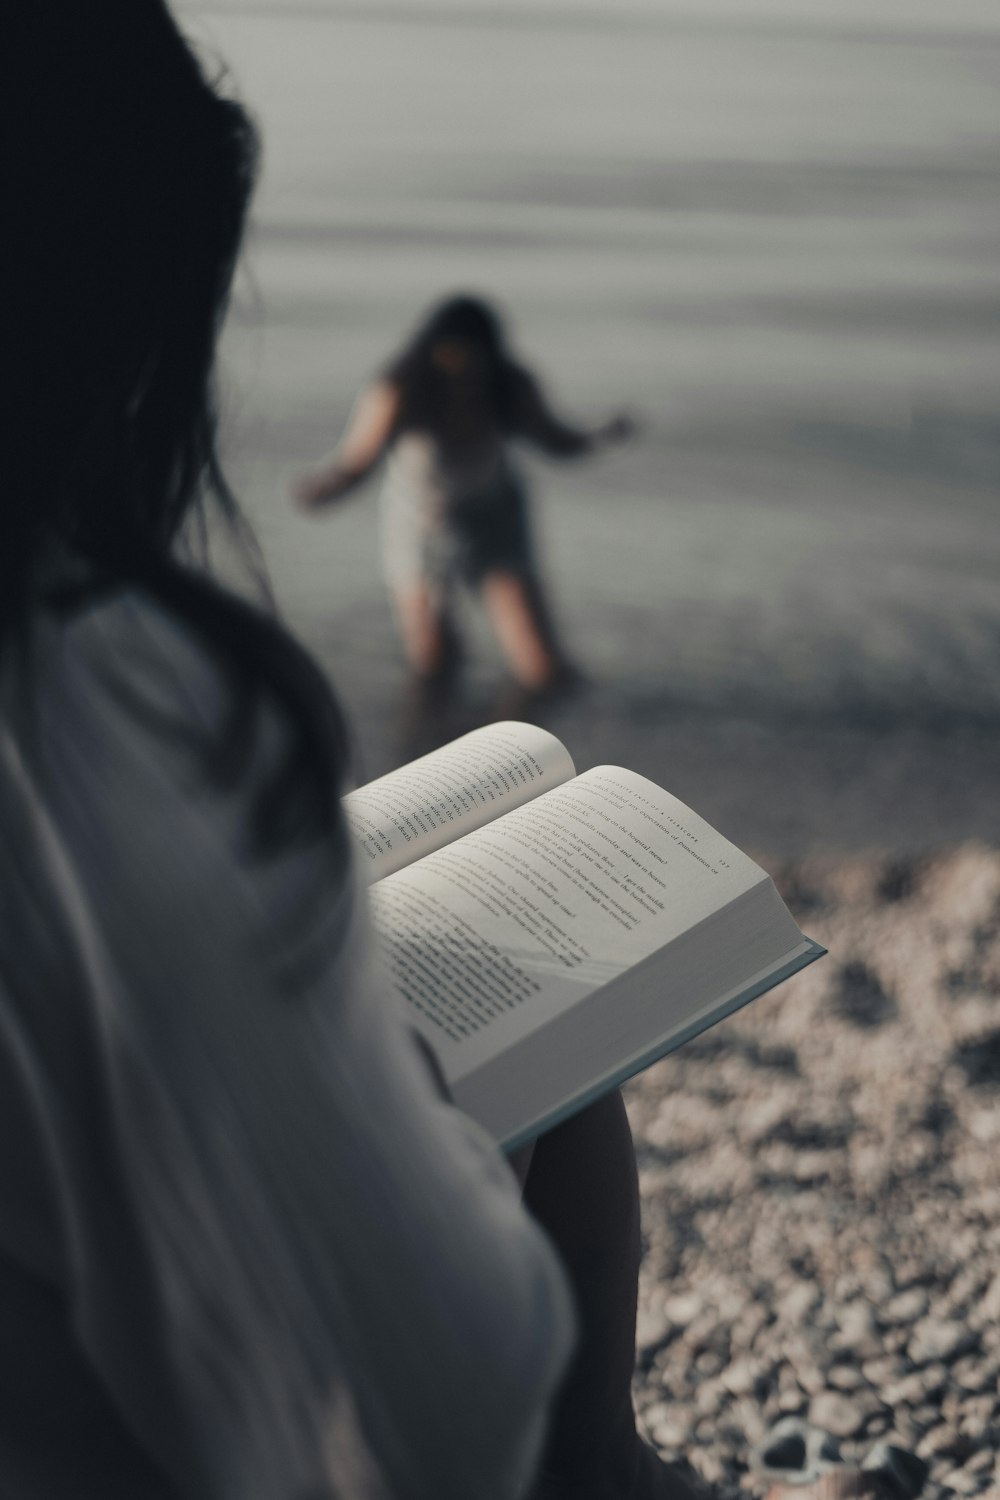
[(782, 787)]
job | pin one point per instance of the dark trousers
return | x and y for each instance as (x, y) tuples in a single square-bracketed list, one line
[(581, 1184)]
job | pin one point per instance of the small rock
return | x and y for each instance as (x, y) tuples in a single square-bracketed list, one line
[(751, 1422), (944, 1440), (836, 1413), (796, 1304), (709, 1466), (878, 1285), (952, 1406), (816, 1166), (741, 1378), (939, 1339), (979, 1420), (961, 1482), (871, 1171), (968, 1287), (883, 1370), (917, 1387), (905, 1307), (706, 1332), (811, 1379), (845, 1378), (984, 1125), (656, 1411), (672, 1378), (707, 1399), (760, 1118), (857, 1330), (673, 1431), (750, 1322), (683, 1309), (974, 1374)]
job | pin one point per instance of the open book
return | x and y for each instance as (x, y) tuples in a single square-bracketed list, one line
[(553, 934)]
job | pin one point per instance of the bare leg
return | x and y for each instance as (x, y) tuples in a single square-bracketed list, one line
[(520, 620), (428, 639), (583, 1188)]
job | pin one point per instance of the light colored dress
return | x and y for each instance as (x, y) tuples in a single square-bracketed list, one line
[(450, 518), (246, 1251)]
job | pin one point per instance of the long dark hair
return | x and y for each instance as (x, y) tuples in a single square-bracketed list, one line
[(125, 182), (424, 386)]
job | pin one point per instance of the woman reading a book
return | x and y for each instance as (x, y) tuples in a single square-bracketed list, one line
[(247, 1249), (454, 507)]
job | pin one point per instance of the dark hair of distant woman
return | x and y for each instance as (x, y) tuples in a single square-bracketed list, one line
[(420, 370), (122, 230)]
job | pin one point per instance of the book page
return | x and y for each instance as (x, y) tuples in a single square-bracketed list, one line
[(431, 801), (498, 933)]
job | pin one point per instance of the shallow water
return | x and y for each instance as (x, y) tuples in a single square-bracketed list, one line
[(770, 230)]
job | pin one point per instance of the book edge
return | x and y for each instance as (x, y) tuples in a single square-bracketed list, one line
[(639, 1062)]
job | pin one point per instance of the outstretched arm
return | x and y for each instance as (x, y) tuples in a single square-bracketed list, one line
[(359, 450), (537, 422)]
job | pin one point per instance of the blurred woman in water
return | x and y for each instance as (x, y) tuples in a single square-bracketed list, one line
[(248, 1250), (454, 510)]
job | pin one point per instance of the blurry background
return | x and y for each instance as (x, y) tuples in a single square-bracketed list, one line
[(767, 227)]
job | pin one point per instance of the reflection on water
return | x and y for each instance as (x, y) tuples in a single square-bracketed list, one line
[(771, 230)]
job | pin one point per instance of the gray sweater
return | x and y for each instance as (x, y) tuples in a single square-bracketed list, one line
[(246, 1251)]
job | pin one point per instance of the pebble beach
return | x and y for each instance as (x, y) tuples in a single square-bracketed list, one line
[(821, 1190)]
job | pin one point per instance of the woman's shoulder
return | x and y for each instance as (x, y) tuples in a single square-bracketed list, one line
[(120, 673), (143, 752), (202, 685), (127, 639)]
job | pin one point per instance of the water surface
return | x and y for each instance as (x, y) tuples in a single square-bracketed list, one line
[(771, 231)]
